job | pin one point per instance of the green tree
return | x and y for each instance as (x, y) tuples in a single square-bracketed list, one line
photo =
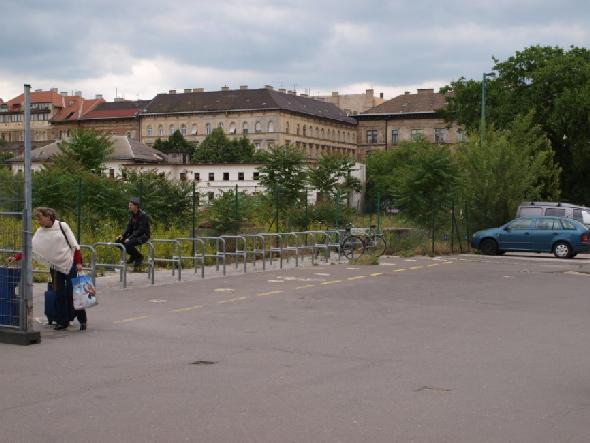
[(514, 164), (85, 148), (176, 144), (218, 148), (553, 84), (331, 176)]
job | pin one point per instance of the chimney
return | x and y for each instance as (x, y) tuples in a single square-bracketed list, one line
[(98, 96), (243, 86), (63, 93), (283, 90), (407, 93), (381, 95), (370, 92), (268, 87), (425, 91), (172, 91), (198, 89), (225, 88), (119, 99), (334, 93), (187, 90), (53, 90), (38, 90), (78, 93), (303, 95)]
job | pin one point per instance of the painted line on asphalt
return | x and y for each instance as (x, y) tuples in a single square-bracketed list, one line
[(190, 308), (416, 267), (432, 265), (232, 300), (262, 294), (376, 274), (304, 286), (130, 319), (400, 270), (581, 274), (331, 282), (358, 277)]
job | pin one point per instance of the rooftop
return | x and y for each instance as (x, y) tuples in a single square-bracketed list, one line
[(425, 101)]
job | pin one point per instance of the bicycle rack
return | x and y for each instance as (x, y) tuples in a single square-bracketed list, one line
[(276, 249), (334, 241), (256, 251), (195, 256), (219, 254), (319, 242), (237, 252), (152, 259), (287, 246), (122, 266)]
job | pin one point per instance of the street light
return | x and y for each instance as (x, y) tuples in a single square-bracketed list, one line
[(482, 124)]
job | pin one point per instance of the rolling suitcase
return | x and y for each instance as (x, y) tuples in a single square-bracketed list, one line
[(50, 303)]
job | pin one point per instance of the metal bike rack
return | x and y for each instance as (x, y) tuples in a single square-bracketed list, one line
[(152, 259), (268, 239), (122, 266), (261, 251), (196, 256), (237, 252), (334, 239), (288, 238), (91, 268), (219, 254), (304, 244), (319, 241)]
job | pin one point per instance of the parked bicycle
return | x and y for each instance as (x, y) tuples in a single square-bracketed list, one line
[(356, 241)]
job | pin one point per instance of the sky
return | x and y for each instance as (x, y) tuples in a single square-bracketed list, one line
[(138, 48)]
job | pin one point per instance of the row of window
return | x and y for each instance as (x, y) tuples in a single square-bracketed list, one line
[(440, 135), (211, 176), (12, 118), (332, 134)]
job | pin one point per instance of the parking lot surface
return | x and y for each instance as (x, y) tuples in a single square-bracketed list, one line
[(446, 349)]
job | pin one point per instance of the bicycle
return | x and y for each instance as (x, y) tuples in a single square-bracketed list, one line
[(374, 241)]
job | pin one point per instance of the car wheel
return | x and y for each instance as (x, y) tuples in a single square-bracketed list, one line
[(488, 246), (562, 250)]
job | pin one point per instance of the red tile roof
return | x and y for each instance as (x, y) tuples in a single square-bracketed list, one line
[(125, 109), (426, 100), (75, 108), (38, 97)]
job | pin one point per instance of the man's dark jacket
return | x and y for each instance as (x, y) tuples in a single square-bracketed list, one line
[(138, 228)]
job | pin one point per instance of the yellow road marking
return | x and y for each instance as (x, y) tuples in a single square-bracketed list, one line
[(433, 264), (127, 320), (375, 274), (261, 294), (190, 308), (400, 270), (448, 263), (232, 300), (416, 267), (304, 286), (331, 282), (358, 277)]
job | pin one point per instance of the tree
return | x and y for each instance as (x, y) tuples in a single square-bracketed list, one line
[(86, 149), (514, 164), (176, 144), (331, 176), (218, 148), (553, 84)]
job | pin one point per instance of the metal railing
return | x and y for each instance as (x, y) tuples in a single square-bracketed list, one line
[(174, 258), (121, 266), (289, 243), (219, 254), (278, 249), (236, 251), (256, 251), (196, 256)]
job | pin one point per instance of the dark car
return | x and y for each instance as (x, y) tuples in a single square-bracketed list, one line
[(564, 237)]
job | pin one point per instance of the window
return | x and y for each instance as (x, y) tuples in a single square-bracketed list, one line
[(323, 133), (149, 130), (194, 130), (460, 135), (271, 126), (245, 127), (548, 224), (256, 176), (439, 135), (208, 128), (297, 129), (577, 215), (287, 127), (160, 130), (416, 134), (568, 225), (257, 127), (211, 196), (226, 176), (232, 128), (394, 136), (183, 129), (304, 130), (171, 130), (317, 132), (240, 176), (197, 176), (522, 224), (111, 173), (220, 125), (212, 176), (183, 176), (371, 136), (257, 146), (555, 212)]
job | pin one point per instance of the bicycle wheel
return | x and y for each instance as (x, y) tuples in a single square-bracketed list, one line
[(376, 246), (353, 247)]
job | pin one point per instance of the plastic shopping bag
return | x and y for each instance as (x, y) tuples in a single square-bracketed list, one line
[(84, 292)]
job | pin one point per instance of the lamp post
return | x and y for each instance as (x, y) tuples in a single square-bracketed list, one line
[(482, 123)]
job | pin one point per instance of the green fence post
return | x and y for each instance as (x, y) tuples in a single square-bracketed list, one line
[(79, 210), (338, 208), (452, 226), (433, 220), (237, 211), (277, 208), (306, 211), (194, 217), (378, 212)]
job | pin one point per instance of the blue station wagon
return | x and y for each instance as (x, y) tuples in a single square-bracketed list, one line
[(564, 237)]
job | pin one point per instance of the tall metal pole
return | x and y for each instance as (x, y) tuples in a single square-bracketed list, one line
[(482, 123), (237, 211), (194, 217), (26, 307)]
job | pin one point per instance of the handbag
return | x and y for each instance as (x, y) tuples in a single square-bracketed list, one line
[(84, 292)]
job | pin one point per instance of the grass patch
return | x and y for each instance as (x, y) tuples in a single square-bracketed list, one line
[(365, 259)]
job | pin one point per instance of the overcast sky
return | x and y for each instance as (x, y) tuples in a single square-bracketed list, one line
[(139, 48)]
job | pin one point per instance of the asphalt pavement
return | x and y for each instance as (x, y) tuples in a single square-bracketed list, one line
[(446, 349)]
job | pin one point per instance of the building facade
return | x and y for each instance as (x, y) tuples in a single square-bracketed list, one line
[(405, 117), (265, 116), (353, 104)]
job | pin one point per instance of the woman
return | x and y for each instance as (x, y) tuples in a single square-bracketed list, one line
[(54, 244)]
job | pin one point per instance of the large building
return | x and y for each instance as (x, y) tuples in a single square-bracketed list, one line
[(267, 117), (353, 104), (405, 117), (120, 117), (45, 105)]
